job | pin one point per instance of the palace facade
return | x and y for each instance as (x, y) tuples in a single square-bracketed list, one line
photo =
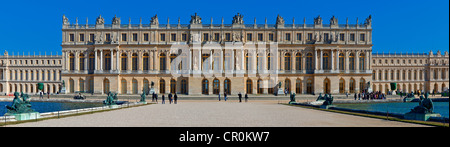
[(198, 58), (21, 73)]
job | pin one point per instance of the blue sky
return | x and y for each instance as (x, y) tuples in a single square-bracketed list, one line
[(398, 25)]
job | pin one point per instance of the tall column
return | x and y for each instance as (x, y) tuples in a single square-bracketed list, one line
[(112, 60), (321, 60), (96, 61), (86, 57), (357, 60), (150, 61), (332, 59), (117, 59), (367, 60), (337, 59), (101, 60), (347, 64), (293, 62), (77, 60)]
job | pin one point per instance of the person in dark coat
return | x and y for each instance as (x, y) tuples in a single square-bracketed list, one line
[(240, 97), (355, 96), (170, 98), (246, 97), (175, 97)]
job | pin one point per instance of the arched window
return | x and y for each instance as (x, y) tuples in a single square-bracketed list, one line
[(227, 86), (298, 61), (341, 61), (81, 65), (124, 61), (107, 61), (71, 61), (134, 61), (249, 86), (309, 86), (105, 85), (341, 85), (309, 61), (287, 85), (124, 86), (205, 86), (135, 86), (326, 86), (287, 61), (362, 61), (91, 61), (173, 86), (362, 85), (351, 87), (351, 61), (298, 86), (184, 86), (162, 61), (145, 61), (162, 86), (325, 61), (205, 62), (216, 86)]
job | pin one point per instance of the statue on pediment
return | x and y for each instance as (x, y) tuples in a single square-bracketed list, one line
[(195, 19), (65, 20), (100, 20), (280, 20), (318, 20), (116, 20), (238, 19), (368, 21), (154, 20), (333, 21)]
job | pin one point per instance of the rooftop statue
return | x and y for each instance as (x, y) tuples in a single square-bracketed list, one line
[(154, 20), (238, 19), (318, 20), (19, 106), (368, 21), (65, 20), (195, 19), (100, 20), (280, 20), (333, 21), (116, 20)]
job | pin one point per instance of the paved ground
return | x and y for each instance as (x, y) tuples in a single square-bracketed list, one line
[(205, 113)]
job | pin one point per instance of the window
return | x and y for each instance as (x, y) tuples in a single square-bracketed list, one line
[(135, 37), (145, 62), (173, 37), (91, 37), (249, 37), (205, 37), (325, 61), (216, 86), (145, 36), (227, 37), (298, 61), (309, 61), (352, 37), (352, 61), (134, 61), (362, 61), (81, 61), (287, 61), (205, 86), (288, 36), (260, 37), (71, 37), (71, 62), (107, 61), (162, 37), (299, 36), (124, 37), (310, 37), (326, 37), (81, 38), (341, 61), (124, 61), (342, 37), (362, 37), (108, 37), (270, 36), (162, 61), (184, 37), (216, 36)]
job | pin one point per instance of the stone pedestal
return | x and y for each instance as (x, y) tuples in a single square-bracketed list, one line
[(25, 116), (420, 116)]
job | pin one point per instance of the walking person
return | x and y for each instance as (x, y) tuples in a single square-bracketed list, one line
[(219, 97), (355, 96), (240, 97), (156, 98), (246, 97), (153, 97), (40, 95), (170, 98), (359, 96), (225, 96), (163, 101), (48, 94), (175, 97)]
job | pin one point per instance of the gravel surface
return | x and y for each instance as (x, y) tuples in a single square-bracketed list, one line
[(208, 113)]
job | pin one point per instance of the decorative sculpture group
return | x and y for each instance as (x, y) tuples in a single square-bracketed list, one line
[(20, 106), (424, 111), (111, 99)]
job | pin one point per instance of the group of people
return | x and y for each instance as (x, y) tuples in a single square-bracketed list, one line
[(174, 100), (369, 96), (239, 95)]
